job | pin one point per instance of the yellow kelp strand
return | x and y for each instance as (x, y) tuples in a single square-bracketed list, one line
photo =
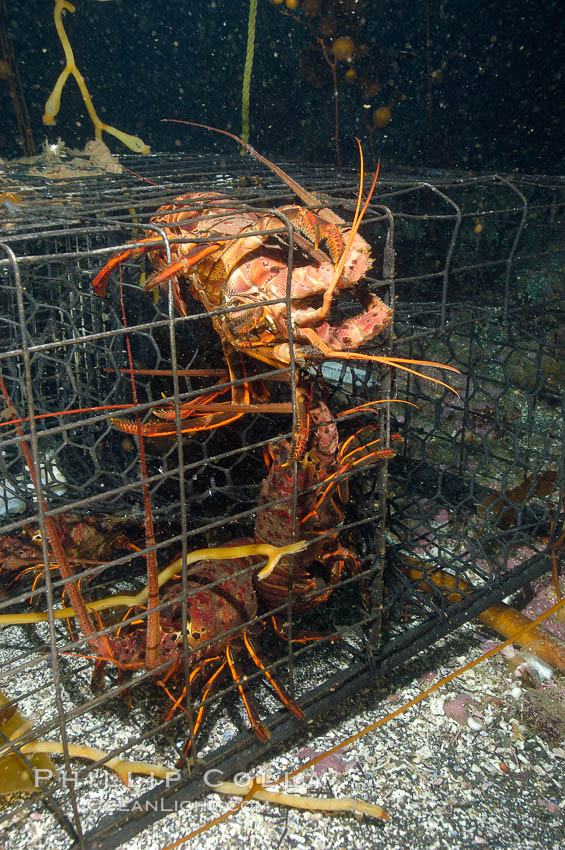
[(248, 70), (54, 100)]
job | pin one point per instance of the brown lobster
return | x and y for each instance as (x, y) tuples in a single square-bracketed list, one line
[(315, 516), (221, 611), (221, 617), (87, 541), (221, 606), (236, 263)]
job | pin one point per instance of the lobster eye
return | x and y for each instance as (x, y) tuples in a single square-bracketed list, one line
[(194, 635)]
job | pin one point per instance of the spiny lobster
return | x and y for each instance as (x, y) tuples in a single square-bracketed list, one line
[(221, 621), (265, 299), (87, 540), (316, 515), (222, 617)]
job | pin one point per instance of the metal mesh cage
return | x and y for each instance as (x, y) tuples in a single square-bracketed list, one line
[(462, 515)]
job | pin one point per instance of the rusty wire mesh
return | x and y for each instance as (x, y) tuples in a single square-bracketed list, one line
[(473, 267)]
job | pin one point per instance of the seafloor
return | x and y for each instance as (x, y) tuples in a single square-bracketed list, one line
[(471, 766)]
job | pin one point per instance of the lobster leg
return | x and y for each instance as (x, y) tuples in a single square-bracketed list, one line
[(97, 680), (260, 729), (182, 266), (300, 635), (166, 426), (100, 282), (205, 701), (282, 693), (207, 692), (240, 390)]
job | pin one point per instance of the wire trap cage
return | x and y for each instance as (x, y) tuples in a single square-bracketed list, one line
[(407, 548)]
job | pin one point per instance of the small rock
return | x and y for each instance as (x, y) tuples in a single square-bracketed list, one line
[(461, 709)]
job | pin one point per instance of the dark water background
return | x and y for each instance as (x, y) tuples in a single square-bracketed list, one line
[(496, 97)]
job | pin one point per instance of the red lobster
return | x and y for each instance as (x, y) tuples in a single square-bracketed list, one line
[(221, 621), (221, 618), (236, 263), (87, 540), (221, 606), (318, 513)]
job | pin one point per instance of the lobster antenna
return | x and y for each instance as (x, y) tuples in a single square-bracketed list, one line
[(299, 190), (357, 219)]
